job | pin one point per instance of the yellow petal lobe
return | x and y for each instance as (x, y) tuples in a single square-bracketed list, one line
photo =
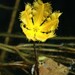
[(44, 36), (29, 33), (51, 23), (25, 17)]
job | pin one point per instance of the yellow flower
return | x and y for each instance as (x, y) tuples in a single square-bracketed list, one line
[(38, 21)]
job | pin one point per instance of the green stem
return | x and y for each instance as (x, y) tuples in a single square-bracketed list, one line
[(36, 60)]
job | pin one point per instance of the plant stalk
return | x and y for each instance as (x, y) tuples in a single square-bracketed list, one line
[(36, 60)]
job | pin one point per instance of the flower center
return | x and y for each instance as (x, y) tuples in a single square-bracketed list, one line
[(35, 29)]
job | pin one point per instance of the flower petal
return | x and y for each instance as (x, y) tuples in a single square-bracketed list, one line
[(48, 26), (55, 15), (29, 33), (26, 15), (41, 11), (44, 36), (38, 15), (51, 23)]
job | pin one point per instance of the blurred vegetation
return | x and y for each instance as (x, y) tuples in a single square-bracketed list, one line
[(19, 58)]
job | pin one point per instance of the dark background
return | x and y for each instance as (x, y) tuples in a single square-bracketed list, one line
[(67, 19), (66, 24)]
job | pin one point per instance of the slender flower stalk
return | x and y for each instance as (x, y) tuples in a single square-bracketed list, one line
[(36, 60)]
